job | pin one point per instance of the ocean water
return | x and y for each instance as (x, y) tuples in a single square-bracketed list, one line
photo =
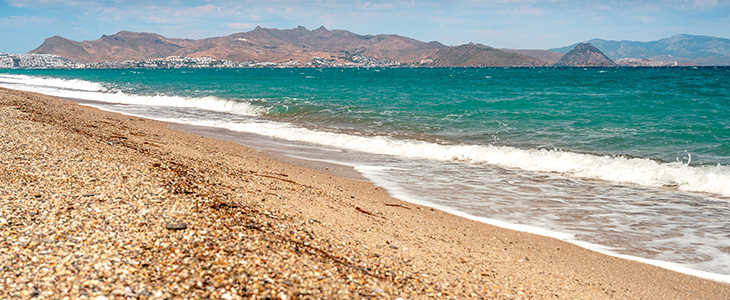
[(631, 162)]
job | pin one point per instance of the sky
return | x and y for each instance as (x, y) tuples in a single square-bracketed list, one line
[(25, 24)]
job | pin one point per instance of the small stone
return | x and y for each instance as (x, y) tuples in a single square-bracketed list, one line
[(227, 296), (377, 290), (90, 283), (176, 226), (129, 292)]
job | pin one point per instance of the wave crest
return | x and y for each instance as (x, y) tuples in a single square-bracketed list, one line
[(87, 90)]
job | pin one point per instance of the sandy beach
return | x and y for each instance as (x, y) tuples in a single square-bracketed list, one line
[(98, 205)]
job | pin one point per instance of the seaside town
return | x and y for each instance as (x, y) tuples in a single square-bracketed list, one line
[(647, 62), (50, 61)]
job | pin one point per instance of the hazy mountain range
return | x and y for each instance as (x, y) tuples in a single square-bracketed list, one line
[(260, 45), (684, 48), (301, 44)]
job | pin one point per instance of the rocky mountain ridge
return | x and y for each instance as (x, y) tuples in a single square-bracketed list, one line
[(283, 45), (123, 45)]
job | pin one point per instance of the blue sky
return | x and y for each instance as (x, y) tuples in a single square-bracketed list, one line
[(24, 24)]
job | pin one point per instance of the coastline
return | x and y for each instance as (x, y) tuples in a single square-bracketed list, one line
[(252, 224)]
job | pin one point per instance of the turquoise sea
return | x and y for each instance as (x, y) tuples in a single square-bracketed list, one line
[(631, 162)]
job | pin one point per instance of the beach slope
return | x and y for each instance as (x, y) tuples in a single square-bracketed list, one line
[(96, 204)]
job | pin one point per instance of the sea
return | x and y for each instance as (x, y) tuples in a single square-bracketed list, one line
[(630, 162)]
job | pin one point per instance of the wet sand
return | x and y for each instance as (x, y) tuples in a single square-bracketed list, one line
[(100, 205)]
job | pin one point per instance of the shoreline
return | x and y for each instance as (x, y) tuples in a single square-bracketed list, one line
[(287, 151), (371, 244), (254, 141), (276, 151)]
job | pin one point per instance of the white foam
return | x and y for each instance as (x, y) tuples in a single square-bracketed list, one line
[(72, 84), (85, 90), (375, 173), (646, 172)]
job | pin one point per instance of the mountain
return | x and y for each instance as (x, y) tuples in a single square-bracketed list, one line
[(585, 55), (283, 45), (342, 46), (682, 48), (124, 45), (260, 44), (277, 45), (477, 55)]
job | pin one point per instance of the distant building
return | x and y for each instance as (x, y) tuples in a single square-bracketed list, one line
[(50, 61)]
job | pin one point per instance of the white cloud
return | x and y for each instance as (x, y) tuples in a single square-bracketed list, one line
[(647, 7), (371, 5), (168, 15), (705, 4), (239, 25), (203, 11), (522, 10), (51, 3), (646, 19), (27, 3), (693, 4), (158, 18), (23, 21)]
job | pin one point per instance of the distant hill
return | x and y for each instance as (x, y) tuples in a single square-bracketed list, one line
[(282, 45), (545, 55), (260, 44), (682, 48), (124, 45), (482, 56), (585, 55), (277, 45)]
